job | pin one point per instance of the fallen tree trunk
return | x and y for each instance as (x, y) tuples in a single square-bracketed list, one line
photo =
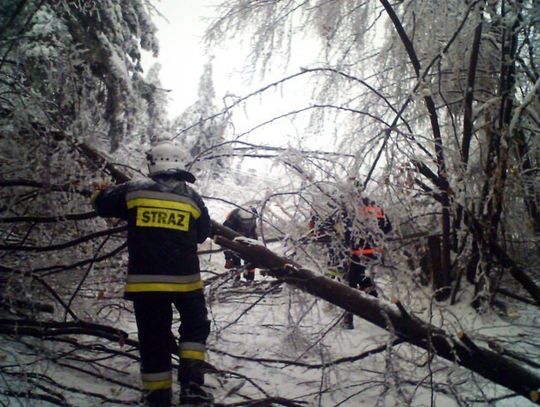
[(49, 329), (395, 318)]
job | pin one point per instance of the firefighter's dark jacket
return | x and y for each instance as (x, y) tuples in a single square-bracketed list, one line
[(246, 227), (166, 219)]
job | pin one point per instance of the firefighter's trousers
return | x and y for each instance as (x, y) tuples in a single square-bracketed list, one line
[(358, 279), (154, 320)]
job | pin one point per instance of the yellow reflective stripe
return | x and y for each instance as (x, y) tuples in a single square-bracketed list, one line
[(164, 196), (157, 385), (157, 381), (160, 203), (191, 354), (94, 195), (192, 346), (167, 287)]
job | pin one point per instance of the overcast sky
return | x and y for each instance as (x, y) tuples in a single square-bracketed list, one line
[(181, 55)]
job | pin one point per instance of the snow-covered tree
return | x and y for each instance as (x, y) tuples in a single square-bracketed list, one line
[(70, 82), (158, 126), (436, 103), (444, 90), (201, 128), (58, 56)]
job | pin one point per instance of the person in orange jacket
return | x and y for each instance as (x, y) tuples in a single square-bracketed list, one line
[(363, 230), (351, 234), (244, 222)]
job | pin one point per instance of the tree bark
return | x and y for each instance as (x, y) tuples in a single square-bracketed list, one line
[(437, 139), (498, 252), (461, 350)]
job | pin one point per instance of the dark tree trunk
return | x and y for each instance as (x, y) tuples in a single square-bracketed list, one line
[(462, 351)]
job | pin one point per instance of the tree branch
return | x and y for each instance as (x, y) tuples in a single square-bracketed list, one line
[(486, 363)]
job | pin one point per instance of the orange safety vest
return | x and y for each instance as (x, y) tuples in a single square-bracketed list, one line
[(372, 212), (371, 250), (369, 211)]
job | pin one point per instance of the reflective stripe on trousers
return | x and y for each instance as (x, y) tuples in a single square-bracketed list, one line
[(136, 283), (192, 350), (157, 381)]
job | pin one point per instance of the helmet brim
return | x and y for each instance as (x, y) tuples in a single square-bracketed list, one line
[(182, 175)]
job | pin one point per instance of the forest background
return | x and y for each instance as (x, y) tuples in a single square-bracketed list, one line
[(432, 105)]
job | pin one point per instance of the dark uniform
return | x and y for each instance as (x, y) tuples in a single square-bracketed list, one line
[(350, 234), (362, 231), (245, 223), (166, 219), (330, 232)]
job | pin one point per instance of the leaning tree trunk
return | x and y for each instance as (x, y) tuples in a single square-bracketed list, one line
[(440, 161), (496, 167), (461, 350)]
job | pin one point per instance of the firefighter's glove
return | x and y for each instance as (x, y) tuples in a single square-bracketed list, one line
[(98, 187)]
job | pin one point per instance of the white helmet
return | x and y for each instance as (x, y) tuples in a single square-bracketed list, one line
[(163, 157), (245, 214)]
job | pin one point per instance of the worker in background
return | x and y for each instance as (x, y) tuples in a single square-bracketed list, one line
[(351, 230), (244, 222), (364, 226), (166, 220), (329, 233)]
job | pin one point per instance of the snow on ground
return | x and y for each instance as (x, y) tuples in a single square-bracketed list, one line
[(288, 343), (267, 340), (278, 339)]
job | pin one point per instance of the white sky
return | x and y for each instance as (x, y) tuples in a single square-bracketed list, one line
[(182, 57), (182, 53)]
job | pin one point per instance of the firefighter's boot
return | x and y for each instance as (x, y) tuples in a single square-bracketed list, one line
[(193, 394), (191, 378), (249, 274), (158, 398), (348, 321)]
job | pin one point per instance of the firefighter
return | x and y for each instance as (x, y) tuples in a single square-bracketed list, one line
[(244, 222), (351, 233), (363, 227), (166, 220), (328, 233)]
